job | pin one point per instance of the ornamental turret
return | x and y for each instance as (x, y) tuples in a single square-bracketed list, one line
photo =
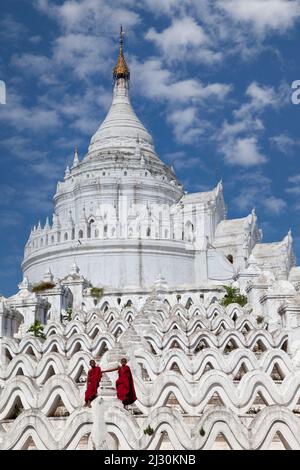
[(76, 157)]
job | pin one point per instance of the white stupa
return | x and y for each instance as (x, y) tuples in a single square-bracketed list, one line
[(132, 265)]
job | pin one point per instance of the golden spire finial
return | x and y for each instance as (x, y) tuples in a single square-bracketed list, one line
[(121, 69)]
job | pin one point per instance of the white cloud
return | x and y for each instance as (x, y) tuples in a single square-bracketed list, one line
[(155, 81), (45, 167), (171, 156), (37, 65), (274, 205), (177, 38), (243, 152), (165, 6), (11, 30), (198, 29), (83, 111), (238, 140), (183, 161), (255, 190), (33, 160), (294, 187), (88, 33), (295, 191), (21, 147), (83, 53), (87, 15), (36, 118), (246, 198), (246, 117), (260, 97), (233, 27), (184, 40), (284, 143), (186, 125), (294, 179), (35, 39), (187, 163), (238, 127), (183, 97), (263, 15)]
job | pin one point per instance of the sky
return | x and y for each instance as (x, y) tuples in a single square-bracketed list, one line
[(210, 79)]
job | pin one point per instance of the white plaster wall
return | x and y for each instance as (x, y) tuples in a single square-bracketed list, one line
[(119, 264)]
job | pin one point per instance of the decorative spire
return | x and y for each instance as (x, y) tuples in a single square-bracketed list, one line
[(76, 158), (74, 269), (48, 276), (289, 236), (25, 284), (121, 69), (67, 172)]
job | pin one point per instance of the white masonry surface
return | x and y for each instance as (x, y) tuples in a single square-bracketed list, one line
[(206, 377)]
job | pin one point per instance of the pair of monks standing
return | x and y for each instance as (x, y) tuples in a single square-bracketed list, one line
[(124, 384)]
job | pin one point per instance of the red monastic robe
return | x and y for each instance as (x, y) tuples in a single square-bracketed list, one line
[(93, 380), (125, 386)]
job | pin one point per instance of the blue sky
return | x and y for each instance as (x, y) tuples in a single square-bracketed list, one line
[(211, 80)]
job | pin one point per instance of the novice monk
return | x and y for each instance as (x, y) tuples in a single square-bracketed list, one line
[(125, 385), (93, 381)]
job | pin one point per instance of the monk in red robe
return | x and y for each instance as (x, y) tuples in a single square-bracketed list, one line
[(93, 381), (125, 385)]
